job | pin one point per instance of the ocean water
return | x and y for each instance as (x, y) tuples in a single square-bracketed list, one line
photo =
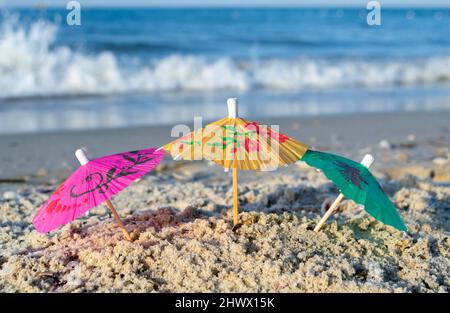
[(133, 67)]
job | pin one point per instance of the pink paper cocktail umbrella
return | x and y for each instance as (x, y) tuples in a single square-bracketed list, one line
[(93, 183)]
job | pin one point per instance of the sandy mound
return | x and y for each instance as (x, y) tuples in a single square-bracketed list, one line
[(184, 242)]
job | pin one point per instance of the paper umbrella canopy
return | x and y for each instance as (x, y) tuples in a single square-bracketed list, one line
[(357, 183), (236, 143), (93, 183)]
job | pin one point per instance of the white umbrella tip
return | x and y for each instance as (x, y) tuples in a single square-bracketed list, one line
[(232, 107), (368, 160), (81, 156)]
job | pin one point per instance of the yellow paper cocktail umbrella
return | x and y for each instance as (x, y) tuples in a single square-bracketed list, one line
[(236, 143)]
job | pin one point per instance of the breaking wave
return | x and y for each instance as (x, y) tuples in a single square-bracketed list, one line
[(32, 65)]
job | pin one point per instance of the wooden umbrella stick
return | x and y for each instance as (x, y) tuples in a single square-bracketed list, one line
[(83, 159), (118, 220), (233, 113), (329, 212), (235, 197), (367, 162)]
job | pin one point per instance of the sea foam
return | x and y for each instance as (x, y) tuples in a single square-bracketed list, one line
[(33, 65)]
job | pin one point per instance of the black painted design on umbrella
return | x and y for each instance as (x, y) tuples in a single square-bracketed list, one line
[(351, 174), (112, 174)]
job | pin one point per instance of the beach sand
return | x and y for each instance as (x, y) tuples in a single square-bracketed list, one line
[(180, 217)]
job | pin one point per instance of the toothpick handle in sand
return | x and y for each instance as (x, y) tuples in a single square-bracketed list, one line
[(83, 159), (118, 220), (367, 161), (232, 104), (235, 197), (329, 212)]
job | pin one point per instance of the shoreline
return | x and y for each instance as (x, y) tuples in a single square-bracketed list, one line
[(51, 154)]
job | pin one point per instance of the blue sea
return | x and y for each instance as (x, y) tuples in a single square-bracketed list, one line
[(136, 67)]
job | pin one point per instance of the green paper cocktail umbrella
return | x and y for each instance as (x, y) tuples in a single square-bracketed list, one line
[(357, 183)]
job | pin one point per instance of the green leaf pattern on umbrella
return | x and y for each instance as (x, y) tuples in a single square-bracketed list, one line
[(357, 183), (232, 136)]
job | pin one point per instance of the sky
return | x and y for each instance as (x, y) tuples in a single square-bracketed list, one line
[(222, 3)]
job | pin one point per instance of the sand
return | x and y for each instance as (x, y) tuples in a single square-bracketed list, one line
[(180, 218)]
